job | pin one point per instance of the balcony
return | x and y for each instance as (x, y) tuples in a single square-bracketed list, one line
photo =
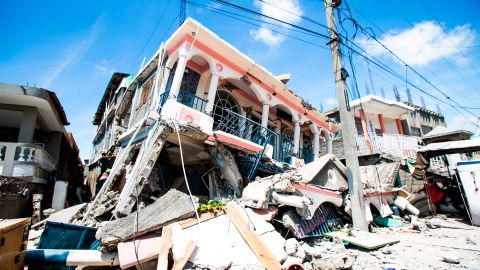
[(235, 124), (27, 161), (395, 144)]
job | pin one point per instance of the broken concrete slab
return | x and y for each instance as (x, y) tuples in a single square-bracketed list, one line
[(223, 159), (171, 207)]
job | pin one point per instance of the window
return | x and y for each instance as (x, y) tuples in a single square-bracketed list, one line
[(145, 90)]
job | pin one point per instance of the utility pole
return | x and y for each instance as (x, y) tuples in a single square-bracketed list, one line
[(355, 186)]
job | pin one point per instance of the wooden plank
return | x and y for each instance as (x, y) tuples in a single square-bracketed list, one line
[(203, 217), (363, 239), (165, 246), (180, 263), (251, 237)]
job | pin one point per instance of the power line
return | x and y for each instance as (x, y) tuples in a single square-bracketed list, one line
[(379, 64), (150, 36)]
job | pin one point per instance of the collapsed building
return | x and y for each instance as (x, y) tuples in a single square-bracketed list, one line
[(203, 138), (36, 152)]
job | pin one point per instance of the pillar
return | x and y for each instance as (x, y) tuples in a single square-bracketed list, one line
[(27, 126), (365, 128), (296, 137), (382, 123), (316, 142), (399, 126), (177, 78), (212, 91), (265, 111)]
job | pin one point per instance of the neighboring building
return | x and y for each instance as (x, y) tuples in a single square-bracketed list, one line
[(34, 145), (422, 121), (198, 78), (380, 125), (444, 134), (387, 126)]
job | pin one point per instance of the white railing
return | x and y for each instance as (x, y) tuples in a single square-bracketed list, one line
[(21, 153), (395, 144)]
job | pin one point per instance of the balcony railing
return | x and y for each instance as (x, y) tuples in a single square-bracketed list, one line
[(235, 124), (306, 154), (163, 99), (192, 101), (20, 159), (395, 144), (283, 149)]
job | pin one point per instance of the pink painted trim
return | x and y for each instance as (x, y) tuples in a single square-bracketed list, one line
[(197, 67), (317, 190), (238, 69), (232, 139)]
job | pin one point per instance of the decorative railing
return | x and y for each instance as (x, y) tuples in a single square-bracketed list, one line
[(192, 101), (283, 149), (235, 124), (395, 144), (306, 154), (17, 153), (163, 99)]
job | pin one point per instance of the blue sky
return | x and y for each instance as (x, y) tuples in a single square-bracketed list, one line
[(72, 48)]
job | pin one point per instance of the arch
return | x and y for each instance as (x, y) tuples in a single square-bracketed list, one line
[(225, 100), (287, 109), (223, 118)]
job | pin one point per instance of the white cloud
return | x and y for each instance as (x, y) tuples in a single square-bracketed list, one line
[(72, 54), (422, 44), (331, 102), (285, 10), (461, 122), (103, 68)]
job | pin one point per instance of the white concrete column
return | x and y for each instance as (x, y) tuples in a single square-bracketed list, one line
[(296, 137), (265, 111), (329, 144), (177, 79), (316, 142), (27, 126), (212, 91)]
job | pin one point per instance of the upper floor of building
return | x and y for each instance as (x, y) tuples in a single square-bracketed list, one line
[(199, 78)]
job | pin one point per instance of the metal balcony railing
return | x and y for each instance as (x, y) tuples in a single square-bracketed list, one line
[(192, 101), (306, 154), (163, 99), (233, 123), (388, 143), (282, 147)]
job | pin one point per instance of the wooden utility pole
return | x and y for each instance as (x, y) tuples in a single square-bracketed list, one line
[(355, 186)]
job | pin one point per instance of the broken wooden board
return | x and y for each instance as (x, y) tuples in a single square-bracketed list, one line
[(165, 246), (363, 239), (180, 263), (257, 245), (203, 217)]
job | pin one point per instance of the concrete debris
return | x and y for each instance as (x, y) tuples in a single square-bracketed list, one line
[(171, 207), (291, 246), (451, 258)]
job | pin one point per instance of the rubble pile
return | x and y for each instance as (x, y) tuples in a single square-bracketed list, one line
[(282, 220)]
